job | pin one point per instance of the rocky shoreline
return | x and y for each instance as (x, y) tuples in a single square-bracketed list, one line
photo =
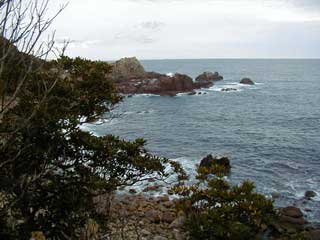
[(139, 216)]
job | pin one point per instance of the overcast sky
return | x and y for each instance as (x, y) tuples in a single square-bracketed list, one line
[(163, 29)]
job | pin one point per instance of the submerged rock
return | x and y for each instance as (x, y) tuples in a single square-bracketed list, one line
[(275, 195), (228, 89), (192, 93), (247, 81)]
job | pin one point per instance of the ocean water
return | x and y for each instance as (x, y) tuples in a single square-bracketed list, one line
[(271, 131)]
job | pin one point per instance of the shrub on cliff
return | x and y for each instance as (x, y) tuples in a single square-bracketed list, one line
[(219, 211)]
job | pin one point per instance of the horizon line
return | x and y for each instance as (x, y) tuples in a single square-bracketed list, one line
[(218, 58)]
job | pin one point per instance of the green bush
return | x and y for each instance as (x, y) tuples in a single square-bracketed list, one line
[(219, 211)]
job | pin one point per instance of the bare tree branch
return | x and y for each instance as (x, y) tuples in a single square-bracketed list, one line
[(22, 25)]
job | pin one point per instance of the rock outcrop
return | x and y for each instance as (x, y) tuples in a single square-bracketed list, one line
[(127, 68), (207, 79), (155, 83), (131, 78), (247, 81)]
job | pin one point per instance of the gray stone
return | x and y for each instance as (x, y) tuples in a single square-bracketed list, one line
[(178, 223)]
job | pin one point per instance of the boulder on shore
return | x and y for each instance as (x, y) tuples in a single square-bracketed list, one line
[(247, 81), (292, 218), (292, 212)]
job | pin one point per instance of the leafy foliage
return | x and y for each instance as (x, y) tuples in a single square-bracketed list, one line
[(217, 210), (51, 170)]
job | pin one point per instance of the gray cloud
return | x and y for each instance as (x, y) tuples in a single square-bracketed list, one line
[(135, 37), (109, 29), (142, 33), (300, 3)]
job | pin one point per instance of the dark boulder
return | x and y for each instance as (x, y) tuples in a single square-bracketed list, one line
[(247, 81), (310, 194), (209, 161)]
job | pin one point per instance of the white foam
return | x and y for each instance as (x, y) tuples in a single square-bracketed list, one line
[(170, 74), (146, 95), (239, 87), (182, 94)]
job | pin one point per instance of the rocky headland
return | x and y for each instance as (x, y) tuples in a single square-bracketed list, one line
[(130, 77)]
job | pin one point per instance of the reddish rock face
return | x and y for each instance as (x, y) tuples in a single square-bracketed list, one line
[(155, 83), (130, 78)]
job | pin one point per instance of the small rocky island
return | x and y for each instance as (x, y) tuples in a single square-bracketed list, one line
[(247, 81), (130, 77)]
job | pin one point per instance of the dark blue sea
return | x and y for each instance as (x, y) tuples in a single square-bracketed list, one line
[(271, 131)]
